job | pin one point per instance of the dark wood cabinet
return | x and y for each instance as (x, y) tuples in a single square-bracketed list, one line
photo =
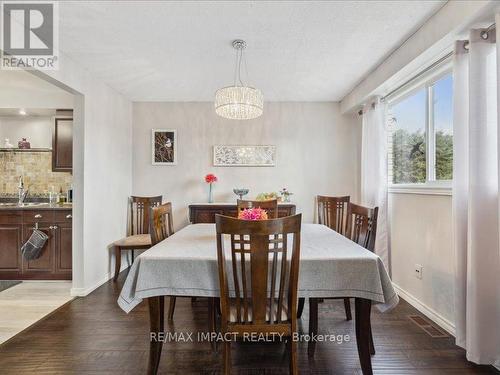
[(45, 263), (55, 261), (62, 145), (205, 213), (65, 248), (10, 243)]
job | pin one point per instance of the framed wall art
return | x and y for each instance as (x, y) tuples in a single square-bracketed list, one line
[(164, 147), (244, 156)]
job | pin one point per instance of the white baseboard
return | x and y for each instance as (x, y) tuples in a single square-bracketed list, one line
[(426, 310), (82, 292)]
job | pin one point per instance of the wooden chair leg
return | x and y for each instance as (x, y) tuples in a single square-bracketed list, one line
[(300, 308), (217, 307), (171, 308), (294, 368), (347, 306), (372, 346), (162, 313), (313, 325), (133, 255), (118, 262), (226, 356)]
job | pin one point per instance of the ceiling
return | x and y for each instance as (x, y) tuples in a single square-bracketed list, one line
[(181, 51)]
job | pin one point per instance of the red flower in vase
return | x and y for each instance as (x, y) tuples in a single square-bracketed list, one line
[(210, 178)]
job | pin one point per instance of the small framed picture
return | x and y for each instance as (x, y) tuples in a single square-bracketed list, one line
[(164, 147)]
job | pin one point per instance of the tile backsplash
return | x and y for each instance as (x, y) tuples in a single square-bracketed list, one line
[(36, 168)]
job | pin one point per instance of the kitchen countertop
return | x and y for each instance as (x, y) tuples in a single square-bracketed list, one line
[(35, 206)]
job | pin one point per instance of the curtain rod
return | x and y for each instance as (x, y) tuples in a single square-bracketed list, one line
[(432, 66), (441, 60)]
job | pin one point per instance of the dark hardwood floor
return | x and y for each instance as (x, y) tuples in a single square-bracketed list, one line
[(92, 335)]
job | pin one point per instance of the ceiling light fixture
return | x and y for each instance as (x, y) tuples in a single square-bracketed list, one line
[(239, 102)]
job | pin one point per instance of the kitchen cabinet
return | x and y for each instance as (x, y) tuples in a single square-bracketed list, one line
[(10, 243), (55, 262), (62, 145)]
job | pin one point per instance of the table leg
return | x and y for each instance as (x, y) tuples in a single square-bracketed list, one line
[(155, 326), (313, 325), (362, 313), (212, 321), (118, 262)]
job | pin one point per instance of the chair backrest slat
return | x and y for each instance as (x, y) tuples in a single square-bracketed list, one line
[(332, 212), (261, 278), (139, 208), (161, 223), (362, 225), (271, 206)]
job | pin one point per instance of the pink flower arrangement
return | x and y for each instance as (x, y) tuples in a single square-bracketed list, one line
[(253, 214), (210, 178)]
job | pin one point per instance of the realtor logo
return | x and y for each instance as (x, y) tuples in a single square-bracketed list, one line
[(29, 38)]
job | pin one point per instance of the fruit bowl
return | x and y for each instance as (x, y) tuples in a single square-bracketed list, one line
[(240, 192)]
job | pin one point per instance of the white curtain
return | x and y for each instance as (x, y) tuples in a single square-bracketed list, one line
[(476, 210), (374, 171)]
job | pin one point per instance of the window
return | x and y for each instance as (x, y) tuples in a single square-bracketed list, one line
[(420, 122)]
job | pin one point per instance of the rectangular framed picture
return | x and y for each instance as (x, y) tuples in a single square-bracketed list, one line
[(244, 156), (164, 147)]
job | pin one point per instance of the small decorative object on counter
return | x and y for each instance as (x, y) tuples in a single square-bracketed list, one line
[(285, 194), (61, 198), (240, 192), (268, 196), (210, 179), (24, 144), (69, 194), (52, 195), (253, 214), (7, 143)]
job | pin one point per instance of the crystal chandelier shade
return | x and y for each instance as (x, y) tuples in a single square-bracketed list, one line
[(239, 102)]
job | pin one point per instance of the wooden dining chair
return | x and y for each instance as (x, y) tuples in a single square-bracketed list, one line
[(160, 227), (264, 272), (332, 212), (271, 206), (362, 229), (138, 237)]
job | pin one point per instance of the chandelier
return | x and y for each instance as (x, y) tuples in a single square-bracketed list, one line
[(239, 102)]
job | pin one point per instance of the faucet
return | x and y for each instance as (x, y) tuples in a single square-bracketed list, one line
[(22, 193)]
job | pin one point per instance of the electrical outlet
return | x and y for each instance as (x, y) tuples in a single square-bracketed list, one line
[(418, 271)]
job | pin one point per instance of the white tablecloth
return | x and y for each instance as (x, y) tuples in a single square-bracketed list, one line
[(185, 264)]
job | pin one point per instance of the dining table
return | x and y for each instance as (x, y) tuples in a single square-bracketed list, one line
[(331, 265)]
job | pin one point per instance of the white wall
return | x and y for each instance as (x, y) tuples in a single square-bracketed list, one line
[(20, 89), (317, 153), (37, 130), (421, 233), (102, 171)]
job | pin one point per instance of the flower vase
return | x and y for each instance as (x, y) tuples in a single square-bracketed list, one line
[(210, 194)]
